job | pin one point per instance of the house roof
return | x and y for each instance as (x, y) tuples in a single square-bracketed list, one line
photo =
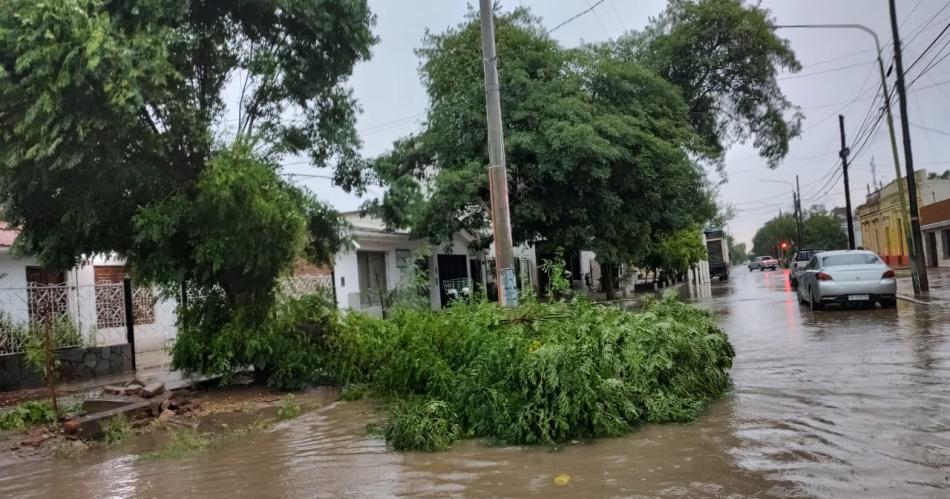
[(7, 236)]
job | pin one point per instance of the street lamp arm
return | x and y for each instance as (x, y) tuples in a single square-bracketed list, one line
[(861, 27)]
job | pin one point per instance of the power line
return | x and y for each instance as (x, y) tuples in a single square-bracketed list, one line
[(575, 16), (816, 73), (929, 46), (927, 128)]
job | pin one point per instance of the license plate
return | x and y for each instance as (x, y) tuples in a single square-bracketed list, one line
[(859, 297)]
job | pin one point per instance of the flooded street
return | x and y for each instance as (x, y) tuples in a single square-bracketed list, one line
[(839, 403)]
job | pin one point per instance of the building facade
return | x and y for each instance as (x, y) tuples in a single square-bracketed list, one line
[(882, 223), (935, 225)]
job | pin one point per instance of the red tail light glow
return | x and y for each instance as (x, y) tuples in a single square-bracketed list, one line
[(821, 276), (889, 274)]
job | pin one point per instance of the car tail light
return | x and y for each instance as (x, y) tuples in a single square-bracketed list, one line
[(823, 276), (888, 274)]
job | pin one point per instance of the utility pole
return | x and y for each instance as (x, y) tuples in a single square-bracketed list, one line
[(917, 253), (497, 172), (847, 187), (890, 130), (798, 211)]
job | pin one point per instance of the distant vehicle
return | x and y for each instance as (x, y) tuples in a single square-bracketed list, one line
[(754, 263), (718, 254), (847, 276), (763, 262), (798, 262)]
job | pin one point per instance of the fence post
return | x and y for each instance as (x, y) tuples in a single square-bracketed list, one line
[(129, 318)]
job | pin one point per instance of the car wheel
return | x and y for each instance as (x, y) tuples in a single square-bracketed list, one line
[(814, 303), (793, 283)]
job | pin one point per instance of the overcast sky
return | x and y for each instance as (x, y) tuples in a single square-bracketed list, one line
[(839, 76)]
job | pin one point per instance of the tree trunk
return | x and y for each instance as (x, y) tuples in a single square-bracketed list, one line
[(607, 274)]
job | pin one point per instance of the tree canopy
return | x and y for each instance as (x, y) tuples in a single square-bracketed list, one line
[(724, 57), (597, 146), (114, 131), (118, 133), (821, 230)]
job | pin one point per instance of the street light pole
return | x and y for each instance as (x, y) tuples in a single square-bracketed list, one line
[(497, 172), (918, 262), (890, 129)]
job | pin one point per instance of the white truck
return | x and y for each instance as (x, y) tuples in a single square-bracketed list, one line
[(718, 250)]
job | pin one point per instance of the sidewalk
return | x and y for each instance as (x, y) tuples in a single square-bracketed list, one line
[(93, 387), (939, 295)]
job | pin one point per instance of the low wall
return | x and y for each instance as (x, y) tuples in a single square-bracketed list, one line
[(75, 364)]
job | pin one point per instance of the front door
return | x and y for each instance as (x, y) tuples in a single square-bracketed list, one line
[(371, 268), (450, 267), (932, 249)]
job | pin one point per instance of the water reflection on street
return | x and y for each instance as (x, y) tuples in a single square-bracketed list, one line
[(844, 403)]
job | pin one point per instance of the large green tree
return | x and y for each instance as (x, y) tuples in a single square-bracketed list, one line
[(821, 230), (724, 57), (116, 134), (597, 146)]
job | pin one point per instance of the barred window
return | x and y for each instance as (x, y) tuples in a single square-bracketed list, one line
[(110, 299)]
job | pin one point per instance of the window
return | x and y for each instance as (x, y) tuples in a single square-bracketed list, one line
[(110, 299), (945, 239), (46, 295), (850, 259), (813, 264)]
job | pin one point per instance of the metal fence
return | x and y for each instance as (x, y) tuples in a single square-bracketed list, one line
[(83, 315), (95, 315)]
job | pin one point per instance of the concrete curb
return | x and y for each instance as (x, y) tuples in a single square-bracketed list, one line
[(911, 299)]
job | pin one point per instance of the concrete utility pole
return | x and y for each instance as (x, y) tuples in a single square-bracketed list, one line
[(847, 187), (917, 262), (890, 130), (497, 173)]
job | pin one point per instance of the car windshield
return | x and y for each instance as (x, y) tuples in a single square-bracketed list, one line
[(850, 259)]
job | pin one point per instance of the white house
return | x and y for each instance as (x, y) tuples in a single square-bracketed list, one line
[(91, 296), (383, 260)]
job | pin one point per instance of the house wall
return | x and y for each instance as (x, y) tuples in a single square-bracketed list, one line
[(81, 304), (13, 284)]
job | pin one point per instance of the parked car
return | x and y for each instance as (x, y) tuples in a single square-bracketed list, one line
[(846, 277), (767, 262), (754, 263), (798, 262)]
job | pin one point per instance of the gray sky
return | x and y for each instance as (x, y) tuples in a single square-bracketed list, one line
[(838, 76)]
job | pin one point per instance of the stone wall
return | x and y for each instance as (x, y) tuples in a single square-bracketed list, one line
[(75, 364)]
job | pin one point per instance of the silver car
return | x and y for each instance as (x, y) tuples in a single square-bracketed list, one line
[(846, 277)]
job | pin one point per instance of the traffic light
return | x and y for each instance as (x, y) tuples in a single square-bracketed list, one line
[(784, 245)]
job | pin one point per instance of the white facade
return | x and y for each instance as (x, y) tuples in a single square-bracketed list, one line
[(398, 254), (156, 333)]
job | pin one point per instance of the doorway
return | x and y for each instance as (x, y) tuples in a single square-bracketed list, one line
[(450, 267), (371, 269), (931, 249)]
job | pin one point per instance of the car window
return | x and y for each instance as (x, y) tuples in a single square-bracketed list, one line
[(803, 256), (850, 259), (813, 264)]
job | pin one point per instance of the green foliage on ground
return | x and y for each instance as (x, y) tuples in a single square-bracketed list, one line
[(26, 414), (422, 424), (540, 373), (288, 408), (190, 442), (116, 430), (286, 350)]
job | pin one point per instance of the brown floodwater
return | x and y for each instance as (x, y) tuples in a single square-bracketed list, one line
[(841, 403)]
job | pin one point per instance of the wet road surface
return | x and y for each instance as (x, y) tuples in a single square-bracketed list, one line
[(838, 403)]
